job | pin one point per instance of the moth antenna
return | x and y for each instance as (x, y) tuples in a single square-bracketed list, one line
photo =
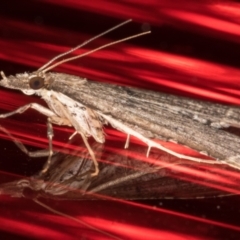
[(74, 219), (95, 50), (83, 44)]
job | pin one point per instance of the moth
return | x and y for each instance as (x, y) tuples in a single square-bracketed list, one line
[(87, 106)]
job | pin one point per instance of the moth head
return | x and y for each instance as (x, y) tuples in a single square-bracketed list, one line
[(28, 83), (17, 188)]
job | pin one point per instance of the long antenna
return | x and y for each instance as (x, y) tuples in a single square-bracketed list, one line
[(83, 44), (94, 50)]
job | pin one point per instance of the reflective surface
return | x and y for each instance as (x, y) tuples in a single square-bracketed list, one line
[(193, 51)]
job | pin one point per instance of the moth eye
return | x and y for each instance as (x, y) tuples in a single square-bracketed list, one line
[(36, 83)]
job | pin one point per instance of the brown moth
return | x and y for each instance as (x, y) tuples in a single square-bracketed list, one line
[(87, 106)]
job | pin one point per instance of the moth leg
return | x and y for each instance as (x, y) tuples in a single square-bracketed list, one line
[(91, 154), (75, 133), (19, 144), (52, 118), (45, 111), (148, 151), (50, 149), (50, 134), (89, 150), (124, 128), (127, 141)]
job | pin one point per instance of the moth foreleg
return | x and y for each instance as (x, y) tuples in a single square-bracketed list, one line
[(52, 117), (150, 143), (45, 111), (19, 144)]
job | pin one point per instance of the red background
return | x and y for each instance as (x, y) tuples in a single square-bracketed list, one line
[(193, 50)]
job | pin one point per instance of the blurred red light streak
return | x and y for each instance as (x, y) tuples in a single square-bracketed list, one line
[(163, 71), (177, 214), (184, 71), (206, 21), (134, 231), (33, 229)]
